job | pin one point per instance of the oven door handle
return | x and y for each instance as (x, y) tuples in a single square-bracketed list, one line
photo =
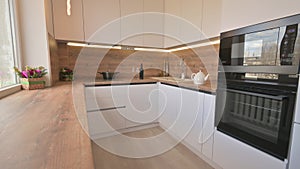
[(278, 97)]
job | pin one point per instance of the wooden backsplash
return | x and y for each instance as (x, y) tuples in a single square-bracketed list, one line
[(126, 61)]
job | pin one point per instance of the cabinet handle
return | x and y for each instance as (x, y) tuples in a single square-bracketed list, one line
[(105, 109)]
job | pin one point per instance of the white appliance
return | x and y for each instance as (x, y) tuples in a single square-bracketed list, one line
[(294, 161)]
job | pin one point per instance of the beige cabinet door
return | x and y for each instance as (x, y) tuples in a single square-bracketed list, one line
[(131, 22), (171, 23), (68, 27), (101, 21), (190, 29), (153, 23), (211, 23)]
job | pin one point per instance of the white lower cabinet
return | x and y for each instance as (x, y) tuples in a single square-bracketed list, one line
[(230, 153), (208, 125), (105, 122), (111, 108), (169, 107), (295, 148), (188, 114), (194, 136), (142, 105)]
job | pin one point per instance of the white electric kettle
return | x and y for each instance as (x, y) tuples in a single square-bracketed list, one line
[(199, 78)]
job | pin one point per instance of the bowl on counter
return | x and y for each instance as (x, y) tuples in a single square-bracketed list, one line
[(109, 75)]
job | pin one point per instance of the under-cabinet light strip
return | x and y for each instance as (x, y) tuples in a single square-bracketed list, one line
[(144, 49), (195, 46)]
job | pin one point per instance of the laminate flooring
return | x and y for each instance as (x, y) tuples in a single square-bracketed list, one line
[(178, 157)]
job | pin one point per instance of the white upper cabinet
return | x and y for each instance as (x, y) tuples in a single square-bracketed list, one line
[(237, 13), (101, 21), (191, 26), (153, 23), (171, 23), (138, 27), (68, 27), (131, 22), (197, 20), (211, 22)]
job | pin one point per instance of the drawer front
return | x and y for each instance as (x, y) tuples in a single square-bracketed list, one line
[(105, 121), (230, 153)]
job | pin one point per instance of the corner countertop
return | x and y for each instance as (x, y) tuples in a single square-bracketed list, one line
[(40, 129), (47, 128), (208, 87)]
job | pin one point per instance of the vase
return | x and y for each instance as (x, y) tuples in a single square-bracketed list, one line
[(32, 83)]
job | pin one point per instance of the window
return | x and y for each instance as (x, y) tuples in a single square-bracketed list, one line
[(7, 45)]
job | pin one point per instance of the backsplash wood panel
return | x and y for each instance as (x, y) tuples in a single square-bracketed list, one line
[(127, 61)]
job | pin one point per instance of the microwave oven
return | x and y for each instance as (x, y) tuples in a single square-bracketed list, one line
[(266, 47)]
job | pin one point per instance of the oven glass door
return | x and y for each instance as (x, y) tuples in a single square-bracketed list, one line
[(259, 117)]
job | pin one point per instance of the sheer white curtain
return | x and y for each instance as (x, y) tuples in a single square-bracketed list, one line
[(7, 45)]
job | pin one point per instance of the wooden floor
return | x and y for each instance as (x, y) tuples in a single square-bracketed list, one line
[(177, 158)]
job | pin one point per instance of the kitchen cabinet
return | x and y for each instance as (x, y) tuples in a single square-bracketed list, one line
[(237, 14), (109, 118), (179, 109), (208, 125), (187, 27), (200, 19), (182, 109), (153, 23), (101, 21), (171, 23), (136, 29), (102, 122), (169, 107), (230, 153), (131, 27), (68, 27), (190, 29), (142, 105), (196, 100), (211, 21), (122, 106), (295, 148)]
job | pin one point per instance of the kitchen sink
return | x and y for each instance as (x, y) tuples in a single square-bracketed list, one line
[(172, 79)]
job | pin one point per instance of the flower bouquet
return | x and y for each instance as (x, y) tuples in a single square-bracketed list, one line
[(66, 74), (32, 78)]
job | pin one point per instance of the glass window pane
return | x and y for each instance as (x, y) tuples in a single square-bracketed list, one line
[(7, 59)]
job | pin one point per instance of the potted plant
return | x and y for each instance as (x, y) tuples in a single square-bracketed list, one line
[(32, 77), (66, 74)]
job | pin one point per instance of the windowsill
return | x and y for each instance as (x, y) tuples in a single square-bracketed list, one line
[(9, 90)]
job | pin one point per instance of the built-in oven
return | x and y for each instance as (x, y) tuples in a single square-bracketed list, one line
[(257, 84), (257, 112)]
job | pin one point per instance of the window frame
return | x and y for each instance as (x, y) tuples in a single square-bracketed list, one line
[(15, 34)]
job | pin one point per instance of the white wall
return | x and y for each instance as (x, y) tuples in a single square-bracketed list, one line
[(34, 35), (49, 19), (240, 13)]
